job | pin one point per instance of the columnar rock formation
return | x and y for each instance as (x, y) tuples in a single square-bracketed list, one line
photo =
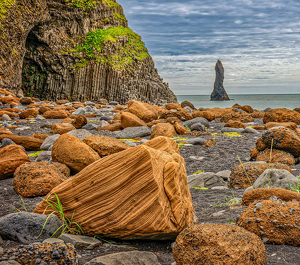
[(219, 92), (77, 50)]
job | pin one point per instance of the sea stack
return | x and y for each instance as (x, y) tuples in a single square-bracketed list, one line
[(219, 92)]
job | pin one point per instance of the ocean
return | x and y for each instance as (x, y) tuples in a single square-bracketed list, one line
[(259, 101)]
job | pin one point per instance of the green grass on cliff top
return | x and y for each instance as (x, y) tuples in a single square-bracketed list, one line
[(84, 4), (4, 6), (124, 45)]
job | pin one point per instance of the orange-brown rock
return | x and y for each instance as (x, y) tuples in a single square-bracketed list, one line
[(29, 113), (282, 115), (243, 176), (26, 101), (210, 142), (61, 128), (205, 114), (152, 123), (40, 136), (112, 127), (62, 101), (56, 114), (29, 143), (283, 139), (44, 109), (253, 154), (266, 194), (10, 114), (11, 157), (235, 124), (67, 120), (36, 179), (79, 121), (276, 156), (258, 114), (117, 117), (237, 116), (5, 131), (259, 128), (103, 101), (104, 145), (211, 244), (180, 129), (11, 110), (260, 145), (174, 106), (187, 104), (74, 153), (144, 111), (163, 129), (130, 120), (276, 221), (12, 101), (140, 192), (5, 92), (289, 125), (297, 109), (247, 108)]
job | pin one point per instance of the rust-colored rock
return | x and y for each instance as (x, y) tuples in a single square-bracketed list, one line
[(79, 121), (37, 178), (180, 129), (253, 154), (40, 136), (266, 194), (144, 111), (282, 115), (44, 109), (211, 244), (104, 145), (210, 116), (276, 156), (130, 120), (247, 108), (275, 221), (62, 101), (61, 128), (10, 114), (56, 114), (235, 124), (174, 106), (258, 114), (26, 101), (141, 192), (243, 176), (11, 157), (29, 143), (283, 139), (237, 116), (163, 129), (259, 128), (29, 113), (187, 104), (112, 127), (260, 145), (289, 125), (210, 142), (72, 152)]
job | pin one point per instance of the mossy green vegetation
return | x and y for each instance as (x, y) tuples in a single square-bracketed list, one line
[(5, 5), (125, 47), (111, 3), (83, 4)]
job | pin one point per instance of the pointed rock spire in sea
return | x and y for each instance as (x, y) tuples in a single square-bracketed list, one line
[(219, 92)]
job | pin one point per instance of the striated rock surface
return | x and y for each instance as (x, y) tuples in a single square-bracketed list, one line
[(282, 115), (210, 244), (219, 92), (141, 192), (76, 50)]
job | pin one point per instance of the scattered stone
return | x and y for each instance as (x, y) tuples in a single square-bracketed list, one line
[(81, 242), (276, 156), (207, 180), (5, 117), (235, 124), (126, 258), (49, 142), (218, 244), (56, 114), (282, 115), (144, 111), (61, 128), (198, 127), (29, 143), (72, 152), (130, 120), (80, 134), (250, 130), (92, 126), (6, 142), (26, 227), (163, 129), (288, 125), (147, 184), (196, 120), (235, 130), (79, 122), (11, 157), (225, 174), (180, 129), (52, 240), (132, 133), (274, 221)]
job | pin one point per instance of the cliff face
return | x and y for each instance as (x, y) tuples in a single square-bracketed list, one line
[(84, 50), (219, 92)]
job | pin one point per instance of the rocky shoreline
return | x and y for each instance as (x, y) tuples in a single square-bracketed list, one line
[(47, 145)]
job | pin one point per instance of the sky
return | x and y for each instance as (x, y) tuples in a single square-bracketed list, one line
[(258, 42)]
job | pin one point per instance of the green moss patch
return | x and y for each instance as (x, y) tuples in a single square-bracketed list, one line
[(97, 43), (111, 3), (5, 5), (83, 4)]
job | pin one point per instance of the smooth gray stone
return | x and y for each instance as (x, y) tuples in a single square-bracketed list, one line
[(44, 156), (274, 178), (202, 120), (89, 103), (114, 103), (250, 130), (79, 111), (106, 118), (198, 158), (53, 240), (5, 117), (132, 132), (126, 258), (130, 143), (39, 118), (198, 127), (6, 142), (225, 174), (196, 141), (80, 133), (207, 180), (220, 188), (49, 141), (90, 126), (80, 241), (26, 227), (228, 129), (9, 262)]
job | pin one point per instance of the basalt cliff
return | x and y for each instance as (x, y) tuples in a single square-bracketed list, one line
[(76, 50)]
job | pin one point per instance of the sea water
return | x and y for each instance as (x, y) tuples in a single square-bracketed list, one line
[(259, 101)]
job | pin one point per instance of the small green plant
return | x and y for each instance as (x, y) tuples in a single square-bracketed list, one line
[(229, 201), (83, 4), (198, 172), (35, 154), (68, 224), (295, 186), (22, 204), (200, 188), (187, 127)]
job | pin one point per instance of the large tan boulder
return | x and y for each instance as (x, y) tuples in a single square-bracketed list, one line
[(289, 125), (56, 114), (61, 128), (74, 153), (104, 145), (163, 129), (244, 175), (276, 156), (144, 111), (222, 244), (235, 124), (37, 178), (130, 120), (11, 157), (79, 121), (282, 139), (29, 113), (275, 221), (140, 192), (241, 116), (282, 115), (28, 142)]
